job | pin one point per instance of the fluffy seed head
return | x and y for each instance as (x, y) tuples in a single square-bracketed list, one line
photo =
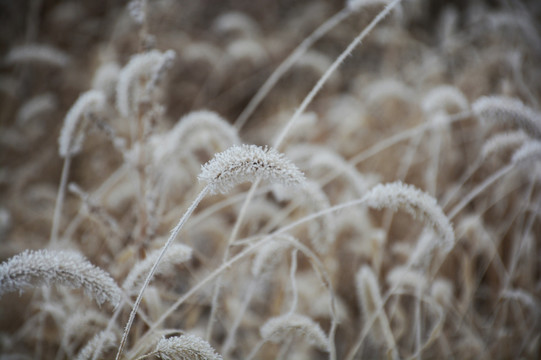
[(103, 340), (73, 132), (146, 66), (507, 110), (31, 268), (35, 107), (269, 254), (197, 127), (178, 253), (244, 163), (37, 53), (502, 142), (280, 328), (444, 98), (185, 347), (417, 203)]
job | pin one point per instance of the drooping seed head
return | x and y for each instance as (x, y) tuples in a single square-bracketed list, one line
[(75, 123), (185, 347), (281, 328), (247, 163), (502, 109), (32, 268), (417, 203)]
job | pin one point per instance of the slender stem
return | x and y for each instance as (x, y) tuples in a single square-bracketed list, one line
[(332, 334), (147, 355), (459, 185), (98, 193), (293, 281), (60, 200), (117, 312), (230, 340), (253, 248), (518, 248), (478, 189), (172, 237), (285, 349), (315, 90), (404, 135), (288, 63), (232, 237), (256, 349)]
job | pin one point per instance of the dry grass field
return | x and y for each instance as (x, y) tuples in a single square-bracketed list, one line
[(270, 179)]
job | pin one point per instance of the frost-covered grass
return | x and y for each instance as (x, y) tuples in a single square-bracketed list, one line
[(270, 180)]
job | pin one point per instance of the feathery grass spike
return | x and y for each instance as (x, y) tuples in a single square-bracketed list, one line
[(37, 53), (177, 254), (31, 268), (282, 327), (195, 124), (245, 163), (185, 347), (444, 98), (105, 338), (269, 254), (139, 65), (73, 132), (417, 203), (508, 110), (502, 142)]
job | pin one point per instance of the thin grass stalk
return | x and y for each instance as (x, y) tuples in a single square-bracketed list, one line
[(293, 281), (172, 237), (255, 350), (60, 201), (220, 205), (281, 137), (108, 328), (462, 317), (230, 339), (249, 250), (104, 187), (392, 140), (418, 323), (232, 237), (288, 63), (284, 349), (517, 249), (465, 177), (339, 60), (480, 188), (432, 181), (396, 138)]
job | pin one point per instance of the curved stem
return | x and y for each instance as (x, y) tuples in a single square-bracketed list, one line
[(230, 340), (232, 237), (252, 248), (60, 200), (255, 350), (98, 193), (478, 189), (460, 183), (172, 237), (288, 63), (315, 90), (292, 272)]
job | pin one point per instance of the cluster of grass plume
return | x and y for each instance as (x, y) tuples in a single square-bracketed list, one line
[(310, 180)]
